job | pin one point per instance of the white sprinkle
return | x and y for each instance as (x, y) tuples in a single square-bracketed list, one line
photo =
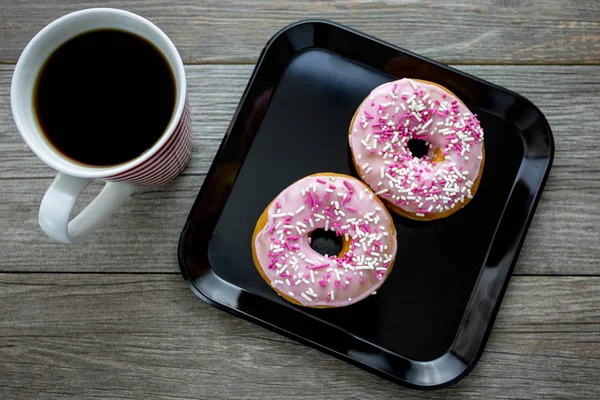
[(282, 269), (319, 216), (427, 124), (312, 276), (305, 296), (412, 84), (411, 98), (291, 294), (368, 170), (337, 274), (332, 295), (299, 231), (329, 190), (298, 211), (281, 215), (382, 191), (311, 223), (305, 281), (479, 157), (420, 215), (326, 224), (359, 156)]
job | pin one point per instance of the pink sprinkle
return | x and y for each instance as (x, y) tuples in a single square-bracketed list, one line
[(394, 88), (330, 214), (277, 204), (331, 186), (345, 287), (320, 180), (361, 281), (337, 284), (318, 266), (350, 208), (422, 210), (293, 237), (322, 283), (348, 185)]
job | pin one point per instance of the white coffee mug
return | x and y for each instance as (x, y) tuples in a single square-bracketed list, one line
[(156, 166)]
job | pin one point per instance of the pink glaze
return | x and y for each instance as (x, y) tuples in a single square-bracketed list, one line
[(396, 112), (296, 270)]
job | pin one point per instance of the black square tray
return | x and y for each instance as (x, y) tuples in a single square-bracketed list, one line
[(429, 323)]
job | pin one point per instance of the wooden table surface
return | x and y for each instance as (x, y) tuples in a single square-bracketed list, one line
[(112, 317)]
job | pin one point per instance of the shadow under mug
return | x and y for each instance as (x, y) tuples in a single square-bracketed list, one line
[(159, 164)]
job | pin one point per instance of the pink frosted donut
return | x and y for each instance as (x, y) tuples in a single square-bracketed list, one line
[(399, 116), (282, 251)]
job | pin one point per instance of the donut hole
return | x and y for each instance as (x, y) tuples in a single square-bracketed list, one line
[(325, 242), (418, 148)]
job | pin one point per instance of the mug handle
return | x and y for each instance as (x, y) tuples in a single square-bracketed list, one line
[(60, 198)]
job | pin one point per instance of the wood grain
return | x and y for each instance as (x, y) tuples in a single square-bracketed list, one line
[(90, 336), (229, 31), (566, 95), (562, 239), (143, 235)]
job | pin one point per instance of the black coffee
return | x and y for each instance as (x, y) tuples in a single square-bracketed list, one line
[(104, 97)]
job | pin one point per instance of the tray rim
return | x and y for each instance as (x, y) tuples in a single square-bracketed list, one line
[(468, 365)]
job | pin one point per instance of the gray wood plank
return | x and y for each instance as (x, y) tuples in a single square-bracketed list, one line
[(228, 31), (562, 239), (143, 235), (90, 336), (566, 96)]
